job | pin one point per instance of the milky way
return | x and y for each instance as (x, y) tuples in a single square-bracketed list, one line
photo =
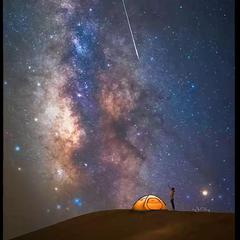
[(90, 126)]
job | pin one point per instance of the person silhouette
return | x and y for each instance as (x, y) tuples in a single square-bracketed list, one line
[(172, 193)]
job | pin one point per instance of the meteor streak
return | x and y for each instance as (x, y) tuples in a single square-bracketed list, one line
[(129, 25)]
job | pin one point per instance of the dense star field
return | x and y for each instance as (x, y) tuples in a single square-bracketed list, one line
[(90, 126)]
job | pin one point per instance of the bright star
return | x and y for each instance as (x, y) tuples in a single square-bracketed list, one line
[(59, 206), (17, 148), (204, 192), (60, 172), (77, 202)]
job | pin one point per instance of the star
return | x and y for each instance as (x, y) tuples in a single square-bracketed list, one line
[(220, 196), (58, 206), (17, 148), (77, 202), (85, 85), (60, 172), (205, 193)]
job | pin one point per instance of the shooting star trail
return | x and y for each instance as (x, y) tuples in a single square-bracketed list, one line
[(129, 25)]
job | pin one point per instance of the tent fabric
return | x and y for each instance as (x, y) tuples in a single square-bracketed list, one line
[(149, 202)]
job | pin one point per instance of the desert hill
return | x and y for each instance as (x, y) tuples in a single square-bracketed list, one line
[(132, 225)]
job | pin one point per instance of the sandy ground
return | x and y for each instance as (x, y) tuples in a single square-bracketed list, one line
[(131, 225)]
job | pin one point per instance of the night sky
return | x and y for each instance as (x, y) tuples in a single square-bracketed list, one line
[(90, 126)]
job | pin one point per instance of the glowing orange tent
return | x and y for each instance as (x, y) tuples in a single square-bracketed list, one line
[(149, 202)]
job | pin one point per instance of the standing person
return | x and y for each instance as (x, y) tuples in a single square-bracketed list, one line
[(172, 192)]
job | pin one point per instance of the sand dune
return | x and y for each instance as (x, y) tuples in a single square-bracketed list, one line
[(131, 225)]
